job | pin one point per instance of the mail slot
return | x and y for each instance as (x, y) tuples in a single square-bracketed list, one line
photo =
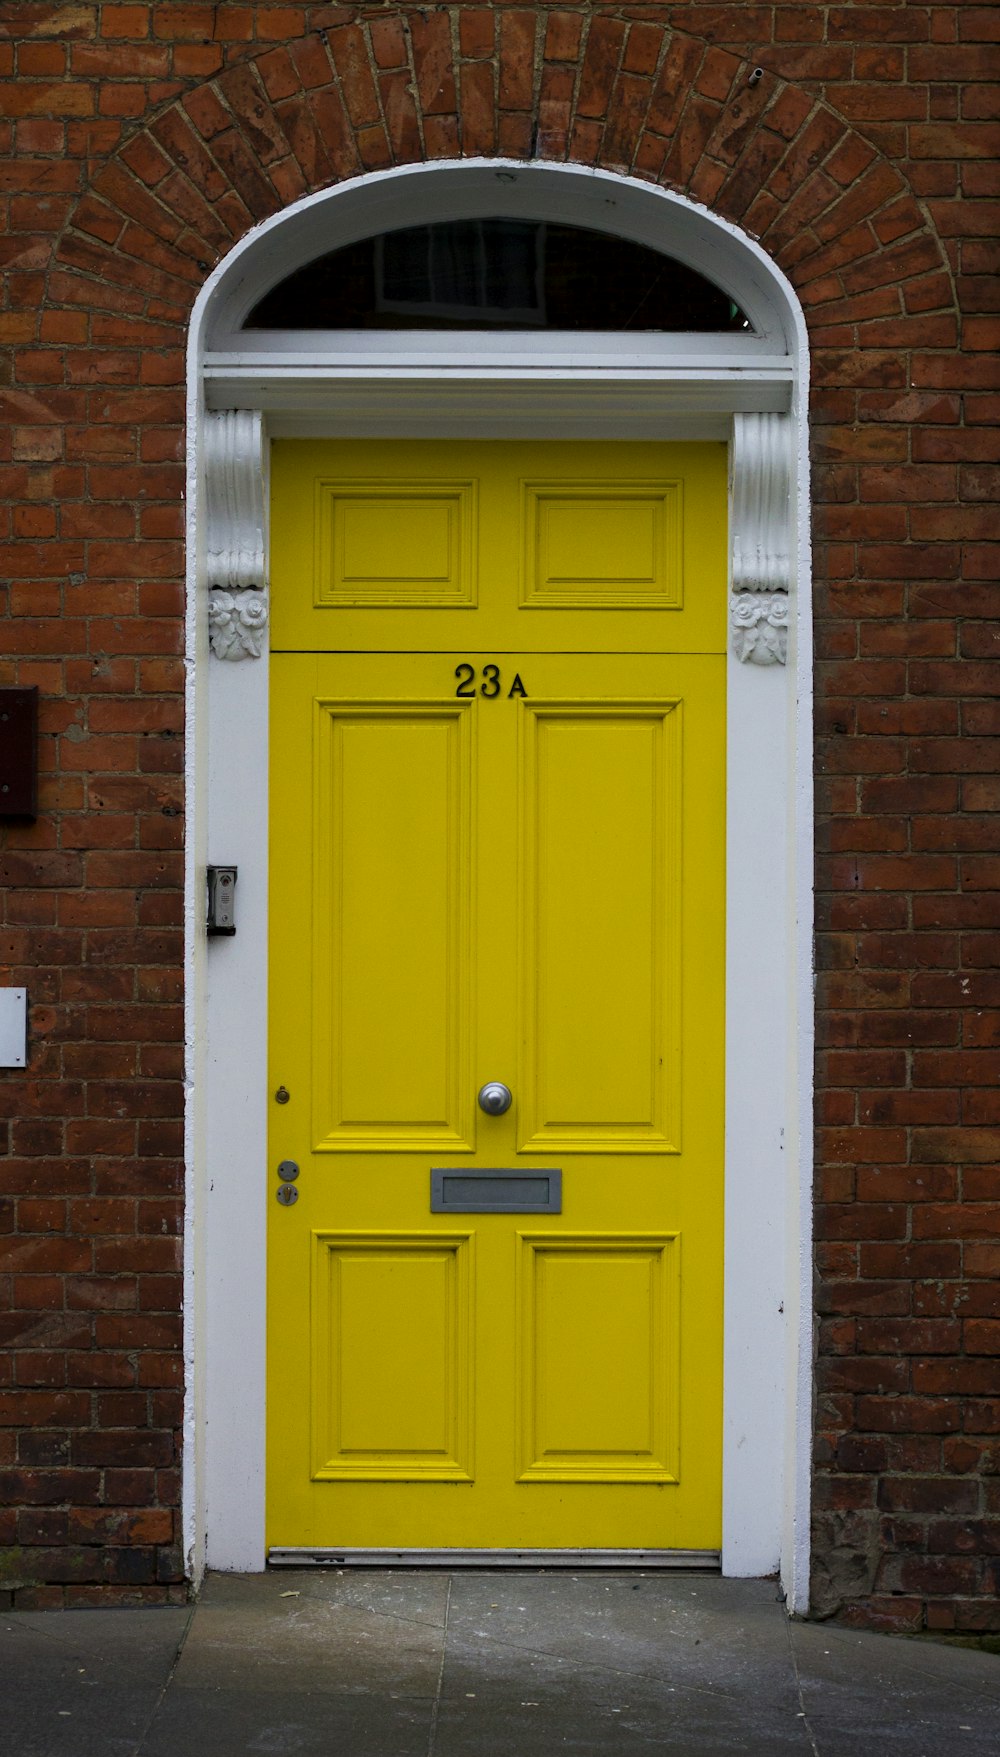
[(496, 1192)]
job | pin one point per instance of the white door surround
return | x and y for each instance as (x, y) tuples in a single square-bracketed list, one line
[(748, 389)]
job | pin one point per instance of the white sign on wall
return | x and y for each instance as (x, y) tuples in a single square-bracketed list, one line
[(13, 1027)]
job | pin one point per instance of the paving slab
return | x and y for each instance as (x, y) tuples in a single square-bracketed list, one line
[(706, 1633), (561, 1707), (317, 1634), (223, 1723), (904, 1698), (595, 1663), (76, 1683)]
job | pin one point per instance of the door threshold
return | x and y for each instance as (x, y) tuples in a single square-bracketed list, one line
[(319, 1557)]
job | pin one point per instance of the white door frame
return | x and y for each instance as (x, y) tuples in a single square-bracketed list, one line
[(751, 390)]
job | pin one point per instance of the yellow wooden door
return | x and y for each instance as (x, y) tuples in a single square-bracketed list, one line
[(497, 859)]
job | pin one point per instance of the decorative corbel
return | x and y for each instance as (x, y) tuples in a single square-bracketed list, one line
[(236, 551), (761, 577)]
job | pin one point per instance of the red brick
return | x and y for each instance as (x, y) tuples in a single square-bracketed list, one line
[(643, 49), (349, 50), (478, 109), (927, 1415), (432, 63), (562, 36), (477, 30), (518, 32), (600, 62), (388, 40)]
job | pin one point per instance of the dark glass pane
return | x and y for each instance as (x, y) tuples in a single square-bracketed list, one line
[(496, 274), (462, 270)]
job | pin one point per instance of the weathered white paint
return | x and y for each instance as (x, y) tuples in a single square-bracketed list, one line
[(768, 1385), (757, 1160), (800, 1011), (330, 400), (235, 1172), (194, 1443)]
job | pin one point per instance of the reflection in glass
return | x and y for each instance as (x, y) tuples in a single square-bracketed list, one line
[(497, 274)]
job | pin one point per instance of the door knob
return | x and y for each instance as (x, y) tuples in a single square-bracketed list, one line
[(494, 1098)]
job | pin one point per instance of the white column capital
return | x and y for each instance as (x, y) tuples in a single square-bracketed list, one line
[(761, 572), (236, 532)]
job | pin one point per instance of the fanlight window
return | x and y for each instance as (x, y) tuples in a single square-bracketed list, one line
[(497, 274)]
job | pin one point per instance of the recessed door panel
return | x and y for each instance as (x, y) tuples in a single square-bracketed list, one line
[(391, 926), (601, 848), (392, 1362), (602, 545), (590, 1302), (402, 544)]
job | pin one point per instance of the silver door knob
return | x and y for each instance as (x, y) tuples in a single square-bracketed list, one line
[(495, 1098)]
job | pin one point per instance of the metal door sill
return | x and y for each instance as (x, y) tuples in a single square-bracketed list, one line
[(320, 1557)]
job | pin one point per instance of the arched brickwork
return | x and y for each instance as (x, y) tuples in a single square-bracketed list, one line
[(905, 1402), (627, 96)]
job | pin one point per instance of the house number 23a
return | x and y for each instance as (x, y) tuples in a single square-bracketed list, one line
[(491, 685)]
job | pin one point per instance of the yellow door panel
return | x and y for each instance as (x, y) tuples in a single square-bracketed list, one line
[(404, 1411), (392, 862), (595, 546), (473, 882), (600, 871), (600, 544), (401, 544), (580, 1417)]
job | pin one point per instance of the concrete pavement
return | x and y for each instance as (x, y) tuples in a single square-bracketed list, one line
[(473, 1664)]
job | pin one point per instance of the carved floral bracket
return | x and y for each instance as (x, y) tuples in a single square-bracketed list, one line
[(236, 509), (761, 577)]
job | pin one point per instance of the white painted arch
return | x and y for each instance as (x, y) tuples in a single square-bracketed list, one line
[(503, 385), (470, 188)]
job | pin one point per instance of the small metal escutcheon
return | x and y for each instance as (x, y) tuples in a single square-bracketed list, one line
[(282, 1095), (495, 1098), (288, 1171), (221, 901), (287, 1194)]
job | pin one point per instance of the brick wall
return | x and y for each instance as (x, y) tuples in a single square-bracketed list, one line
[(140, 142)]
